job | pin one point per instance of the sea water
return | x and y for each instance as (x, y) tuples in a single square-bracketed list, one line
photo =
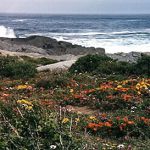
[(115, 33)]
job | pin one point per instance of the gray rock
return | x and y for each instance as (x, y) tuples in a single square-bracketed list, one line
[(131, 57), (45, 45)]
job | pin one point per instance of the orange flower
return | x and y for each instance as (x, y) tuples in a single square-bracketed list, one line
[(110, 97), (91, 125), (125, 119), (104, 115), (107, 124), (100, 124), (95, 126), (105, 86), (147, 121), (89, 91), (126, 97), (5, 95), (122, 89), (143, 118), (78, 96), (130, 122)]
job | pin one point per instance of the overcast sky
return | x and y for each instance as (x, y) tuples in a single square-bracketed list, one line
[(76, 6)]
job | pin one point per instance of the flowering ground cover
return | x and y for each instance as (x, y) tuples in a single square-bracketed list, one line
[(34, 113)]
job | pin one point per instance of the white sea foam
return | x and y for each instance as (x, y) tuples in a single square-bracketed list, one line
[(7, 32), (21, 20), (90, 33), (112, 45)]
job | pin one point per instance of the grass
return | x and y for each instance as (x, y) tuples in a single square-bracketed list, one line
[(39, 61)]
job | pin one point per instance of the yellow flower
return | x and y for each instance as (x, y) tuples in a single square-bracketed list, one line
[(65, 120), (77, 119), (92, 118), (23, 101), (97, 88), (21, 87), (119, 86), (71, 90), (28, 107)]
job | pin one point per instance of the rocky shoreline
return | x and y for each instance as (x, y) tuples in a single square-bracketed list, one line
[(39, 46), (46, 46)]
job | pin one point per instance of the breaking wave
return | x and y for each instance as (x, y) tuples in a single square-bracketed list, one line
[(7, 32)]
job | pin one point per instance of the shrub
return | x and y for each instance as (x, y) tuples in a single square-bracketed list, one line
[(114, 67), (101, 65), (19, 70), (104, 65), (89, 63), (143, 65), (5, 61)]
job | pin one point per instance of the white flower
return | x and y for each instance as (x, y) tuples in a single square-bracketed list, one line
[(133, 107), (53, 147), (120, 146)]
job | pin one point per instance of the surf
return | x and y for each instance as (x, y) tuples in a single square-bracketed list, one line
[(7, 32)]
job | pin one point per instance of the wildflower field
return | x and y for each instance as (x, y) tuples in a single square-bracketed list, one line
[(75, 111)]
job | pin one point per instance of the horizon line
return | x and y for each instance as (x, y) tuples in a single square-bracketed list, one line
[(18, 13)]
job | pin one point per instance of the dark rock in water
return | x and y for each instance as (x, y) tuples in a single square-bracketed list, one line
[(45, 45)]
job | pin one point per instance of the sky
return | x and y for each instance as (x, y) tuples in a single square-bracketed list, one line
[(76, 6)]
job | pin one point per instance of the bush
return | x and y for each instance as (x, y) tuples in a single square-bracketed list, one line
[(19, 70), (104, 65), (114, 67), (101, 65), (143, 66), (13, 67), (89, 63), (5, 61)]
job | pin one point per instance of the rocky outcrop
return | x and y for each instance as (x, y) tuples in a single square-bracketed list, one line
[(46, 46), (39, 46), (131, 57)]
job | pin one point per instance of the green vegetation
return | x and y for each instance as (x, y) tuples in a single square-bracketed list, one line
[(89, 63), (38, 61), (53, 81), (143, 66), (19, 70), (21, 67), (99, 104), (104, 65)]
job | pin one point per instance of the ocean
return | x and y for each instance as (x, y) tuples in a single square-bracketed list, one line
[(115, 33)]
